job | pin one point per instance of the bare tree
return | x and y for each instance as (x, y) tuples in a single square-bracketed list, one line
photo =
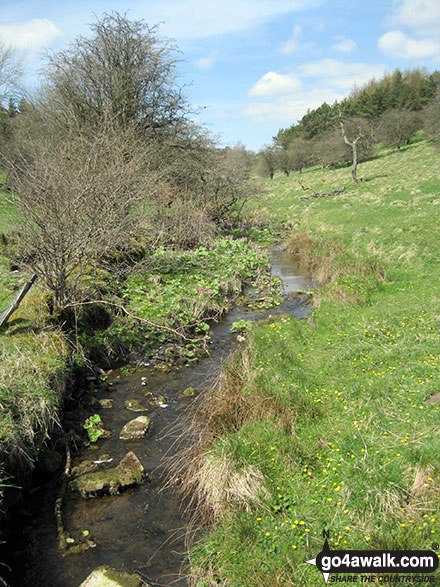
[(209, 185), (431, 119), (284, 161), (124, 70), (357, 133), (397, 126), (330, 150), (300, 154), (11, 70), (267, 161), (79, 200)]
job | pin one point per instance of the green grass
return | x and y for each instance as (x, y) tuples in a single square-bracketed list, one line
[(32, 380), (350, 443), (9, 216), (33, 361)]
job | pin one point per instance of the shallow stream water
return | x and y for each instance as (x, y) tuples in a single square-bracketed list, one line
[(143, 529)]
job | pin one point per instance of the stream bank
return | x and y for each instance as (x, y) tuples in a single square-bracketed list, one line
[(143, 529)]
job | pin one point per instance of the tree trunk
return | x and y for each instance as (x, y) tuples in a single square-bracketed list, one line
[(355, 163), (353, 144)]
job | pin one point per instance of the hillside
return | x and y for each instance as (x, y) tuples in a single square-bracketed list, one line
[(349, 439)]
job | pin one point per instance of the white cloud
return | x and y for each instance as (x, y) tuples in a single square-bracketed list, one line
[(33, 34), (197, 19), (421, 15), (275, 84), (290, 109), (286, 97), (207, 62), (292, 44), (344, 45), (339, 73), (398, 44)]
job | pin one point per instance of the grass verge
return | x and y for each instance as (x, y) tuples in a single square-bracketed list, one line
[(341, 411)]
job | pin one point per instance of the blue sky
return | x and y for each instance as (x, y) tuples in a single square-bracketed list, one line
[(252, 66)]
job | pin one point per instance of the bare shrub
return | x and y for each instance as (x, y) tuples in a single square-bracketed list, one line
[(184, 223), (124, 69), (431, 119), (11, 71), (78, 200), (396, 127), (330, 150), (267, 162)]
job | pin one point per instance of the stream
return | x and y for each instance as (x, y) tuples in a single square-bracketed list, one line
[(143, 529)]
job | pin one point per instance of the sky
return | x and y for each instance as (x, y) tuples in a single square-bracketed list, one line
[(250, 67)]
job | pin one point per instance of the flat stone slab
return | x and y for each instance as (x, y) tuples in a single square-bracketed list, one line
[(135, 405), (136, 429), (128, 473), (107, 577)]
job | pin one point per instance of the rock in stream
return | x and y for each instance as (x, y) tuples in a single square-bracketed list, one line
[(136, 429), (107, 577), (111, 481)]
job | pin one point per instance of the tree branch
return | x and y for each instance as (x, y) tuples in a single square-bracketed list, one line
[(144, 320)]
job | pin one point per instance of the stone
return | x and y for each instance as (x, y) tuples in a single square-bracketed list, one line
[(82, 468), (112, 481), (131, 465), (107, 577), (189, 392), (155, 399), (136, 429), (135, 405)]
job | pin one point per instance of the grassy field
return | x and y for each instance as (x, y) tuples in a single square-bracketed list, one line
[(333, 423)]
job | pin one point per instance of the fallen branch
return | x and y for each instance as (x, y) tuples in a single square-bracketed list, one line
[(144, 320), (323, 195), (17, 300)]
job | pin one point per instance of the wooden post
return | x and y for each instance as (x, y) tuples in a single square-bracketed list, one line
[(17, 300)]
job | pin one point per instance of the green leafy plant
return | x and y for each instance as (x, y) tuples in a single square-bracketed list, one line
[(93, 425), (241, 325)]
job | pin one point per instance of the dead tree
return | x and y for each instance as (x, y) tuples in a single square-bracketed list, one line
[(357, 134), (353, 143)]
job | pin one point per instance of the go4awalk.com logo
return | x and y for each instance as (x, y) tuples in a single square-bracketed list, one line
[(359, 563)]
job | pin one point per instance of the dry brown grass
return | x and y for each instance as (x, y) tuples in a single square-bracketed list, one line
[(424, 490), (319, 266), (209, 478)]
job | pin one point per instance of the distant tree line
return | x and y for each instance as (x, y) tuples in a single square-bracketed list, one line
[(389, 110)]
